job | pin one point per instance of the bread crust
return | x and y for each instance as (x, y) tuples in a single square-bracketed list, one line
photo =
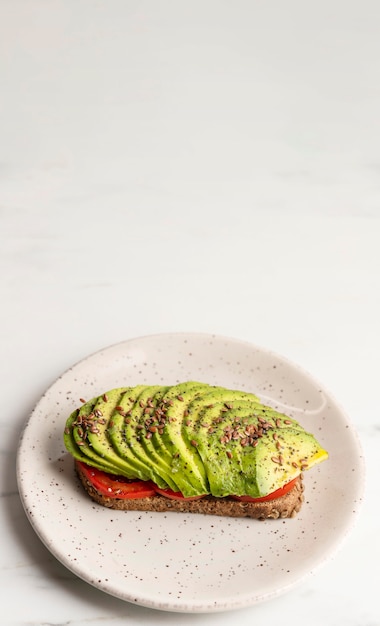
[(286, 506)]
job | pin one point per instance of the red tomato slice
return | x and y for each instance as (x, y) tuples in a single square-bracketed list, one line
[(117, 486), (271, 496), (176, 495), (120, 487)]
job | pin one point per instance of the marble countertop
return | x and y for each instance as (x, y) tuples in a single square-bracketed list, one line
[(204, 166)]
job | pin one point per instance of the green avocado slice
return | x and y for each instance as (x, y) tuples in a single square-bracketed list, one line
[(80, 449), (101, 440), (78, 435), (154, 425), (220, 437), (130, 433), (186, 467), (254, 449), (274, 467), (201, 408)]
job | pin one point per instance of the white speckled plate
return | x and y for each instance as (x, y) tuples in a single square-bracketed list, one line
[(189, 563)]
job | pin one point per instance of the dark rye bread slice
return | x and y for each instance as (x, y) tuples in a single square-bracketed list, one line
[(286, 506)]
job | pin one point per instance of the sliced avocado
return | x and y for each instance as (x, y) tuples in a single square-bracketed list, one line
[(131, 433), (186, 466), (78, 434), (154, 424), (221, 433), (100, 440), (79, 447), (192, 437), (89, 429), (240, 462), (201, 408), (176, 444), (275, 467)]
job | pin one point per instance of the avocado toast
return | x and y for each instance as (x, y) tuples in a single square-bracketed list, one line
[(190, 447)]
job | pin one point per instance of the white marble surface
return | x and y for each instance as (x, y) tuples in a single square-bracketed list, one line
[(201, 166)]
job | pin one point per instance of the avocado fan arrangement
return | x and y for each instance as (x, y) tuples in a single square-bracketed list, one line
[(191, 440)]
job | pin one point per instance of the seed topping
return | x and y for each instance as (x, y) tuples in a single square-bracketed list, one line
[(276, 459)]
